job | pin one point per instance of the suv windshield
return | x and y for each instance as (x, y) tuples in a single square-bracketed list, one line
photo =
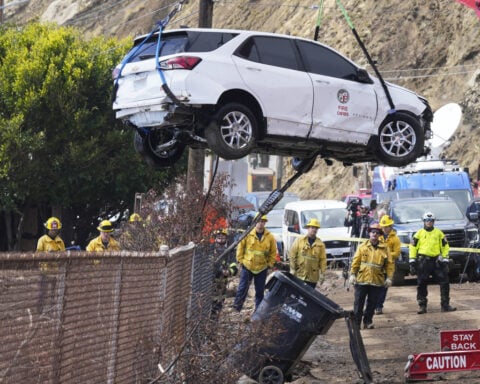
[(178, 42), (411, 211)]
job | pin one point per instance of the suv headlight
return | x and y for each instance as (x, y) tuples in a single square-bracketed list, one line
[(472, 235)]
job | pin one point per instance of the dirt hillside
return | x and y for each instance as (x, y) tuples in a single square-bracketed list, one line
[(428, 46)]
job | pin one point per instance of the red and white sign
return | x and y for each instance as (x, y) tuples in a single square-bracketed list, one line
[(460, 340)]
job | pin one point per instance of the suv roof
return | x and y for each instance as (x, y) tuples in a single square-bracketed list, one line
[(315, 204)]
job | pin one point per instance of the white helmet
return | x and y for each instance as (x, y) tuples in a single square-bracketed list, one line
[(428, 216)]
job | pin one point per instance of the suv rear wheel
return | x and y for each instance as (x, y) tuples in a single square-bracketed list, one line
[(401, 139), (233, 132), (158, 148)]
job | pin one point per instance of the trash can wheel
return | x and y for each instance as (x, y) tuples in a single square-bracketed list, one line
[(270, 375)]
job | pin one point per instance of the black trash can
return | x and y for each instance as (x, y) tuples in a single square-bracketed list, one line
[(297, 313)]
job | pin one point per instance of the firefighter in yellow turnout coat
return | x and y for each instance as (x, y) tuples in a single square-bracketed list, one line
[(307, 257), (104, 242), (371, 263), (256, 253), (394, 246)]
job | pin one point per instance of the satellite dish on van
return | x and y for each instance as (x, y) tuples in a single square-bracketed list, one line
[(445, 122)]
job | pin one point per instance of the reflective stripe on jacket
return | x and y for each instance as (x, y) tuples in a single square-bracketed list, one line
[(371, 264), (47, 244), (96, 245), (429, 243), (257, 255), (307, 261)]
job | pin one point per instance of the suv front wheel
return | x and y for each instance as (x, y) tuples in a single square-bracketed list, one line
[(400, 140), (233, 131)]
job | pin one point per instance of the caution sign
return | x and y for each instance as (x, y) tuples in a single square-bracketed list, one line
[(460, 340)]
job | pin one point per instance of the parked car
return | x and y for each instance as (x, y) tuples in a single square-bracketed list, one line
[(459, 231), (473, 211), (237, 92), (258, 198), (331, 215)]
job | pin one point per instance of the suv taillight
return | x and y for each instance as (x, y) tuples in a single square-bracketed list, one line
[(180, 62), (115, 73)]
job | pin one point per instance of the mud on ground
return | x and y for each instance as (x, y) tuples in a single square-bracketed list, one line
[(399, 332)]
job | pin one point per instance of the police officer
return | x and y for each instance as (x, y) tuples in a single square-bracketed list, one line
[(308, 258), (429, 257), (371, 263)]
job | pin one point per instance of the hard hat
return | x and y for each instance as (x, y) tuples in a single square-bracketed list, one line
[(105, 226), (386, 221), (134, 217), (53, 223), (313, 223), (375, 226), (264, 217), (428, 216), (220, 232)]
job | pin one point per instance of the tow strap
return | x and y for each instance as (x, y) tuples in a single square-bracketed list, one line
[(159, 26)]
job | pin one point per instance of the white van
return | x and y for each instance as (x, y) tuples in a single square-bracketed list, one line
[(331, 215)]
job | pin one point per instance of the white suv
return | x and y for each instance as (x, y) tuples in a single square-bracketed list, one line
[(238, 92), (331, 215)]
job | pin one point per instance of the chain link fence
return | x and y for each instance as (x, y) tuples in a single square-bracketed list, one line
[(77, 317)]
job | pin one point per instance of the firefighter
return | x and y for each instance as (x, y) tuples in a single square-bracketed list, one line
[(308, 258), (429, 257), (394, 245), (51, 241), (370, 264), (255, 253), (104, 242), (223, 269), (126, 239)]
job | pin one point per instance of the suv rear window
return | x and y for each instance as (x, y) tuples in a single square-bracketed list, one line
[(178, 42)]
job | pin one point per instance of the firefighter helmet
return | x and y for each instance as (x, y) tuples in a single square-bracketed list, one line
[(376, 227), (134, 217), (220, 232), (428, 216), (313, 223), (386, 221), (53, 223), (105, 226), (263, 218)]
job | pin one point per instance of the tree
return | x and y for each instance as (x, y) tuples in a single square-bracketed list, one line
[(60, 144)]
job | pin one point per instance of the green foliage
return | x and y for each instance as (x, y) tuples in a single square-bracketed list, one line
[(60, 144)]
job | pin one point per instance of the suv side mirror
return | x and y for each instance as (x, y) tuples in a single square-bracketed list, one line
[(363, 76), (473, 216)]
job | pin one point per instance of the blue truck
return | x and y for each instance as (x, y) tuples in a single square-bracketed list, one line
[(442, 177)]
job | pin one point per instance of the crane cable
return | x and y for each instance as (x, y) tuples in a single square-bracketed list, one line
[(370, 61)]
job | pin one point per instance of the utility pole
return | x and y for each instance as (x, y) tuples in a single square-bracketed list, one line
[(196, 157)]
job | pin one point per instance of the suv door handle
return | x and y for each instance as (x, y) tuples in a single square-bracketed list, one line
[(322, 82), (254, 69)]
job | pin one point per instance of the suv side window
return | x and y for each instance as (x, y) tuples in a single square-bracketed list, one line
[(185, 41), (276, 51), (323, 61)]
